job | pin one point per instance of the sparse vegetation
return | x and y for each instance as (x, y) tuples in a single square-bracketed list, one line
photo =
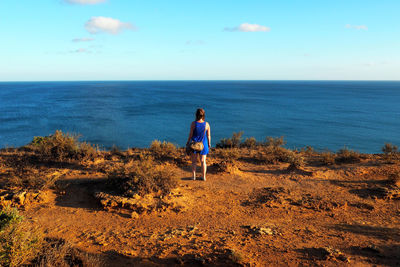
[(328, 158), (296, 160), (232, 142), (143, 177), (275, 142), (58, 252), (229, 154), (390, 152), (163, 150), (272, 151), (22, 244), (250, 142), (346, 155), (236, 256), (19, 242), (62, 147)]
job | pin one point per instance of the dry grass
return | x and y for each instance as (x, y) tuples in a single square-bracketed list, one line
[(232, 142), (250, 142), (390, 152), (19, 242), (22, 244), (328, 158), (163, 150), (346, 155), (58, 252), (229, 154), (19, 169), (63, 147), (295, 159), (143, 177), (272, 155)]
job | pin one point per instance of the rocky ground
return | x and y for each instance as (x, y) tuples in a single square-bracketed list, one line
[(245, 214)]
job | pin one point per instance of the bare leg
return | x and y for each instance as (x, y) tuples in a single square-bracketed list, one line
[(203, 166), (194, 165)]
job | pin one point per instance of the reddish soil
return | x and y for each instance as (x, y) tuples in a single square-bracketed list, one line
[(257, 215)]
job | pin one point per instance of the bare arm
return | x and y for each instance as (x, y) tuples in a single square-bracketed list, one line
[(190, 133), (209, 135)]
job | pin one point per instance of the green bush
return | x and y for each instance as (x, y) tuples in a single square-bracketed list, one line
[(143, 177)]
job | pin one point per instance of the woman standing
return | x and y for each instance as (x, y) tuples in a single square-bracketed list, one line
[(200, 131)]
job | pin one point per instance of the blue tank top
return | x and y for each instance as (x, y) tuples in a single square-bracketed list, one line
[(199, 133)]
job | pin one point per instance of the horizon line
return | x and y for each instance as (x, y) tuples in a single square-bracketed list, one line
[(204, 80)]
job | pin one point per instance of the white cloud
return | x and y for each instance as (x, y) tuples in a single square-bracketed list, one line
[(85, 2), (357, 27), (247, 27), (85, 39), (108, 25)]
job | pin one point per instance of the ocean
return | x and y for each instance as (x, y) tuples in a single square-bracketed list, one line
[(361, 115)]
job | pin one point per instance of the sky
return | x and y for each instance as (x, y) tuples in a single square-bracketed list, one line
[(50, 40)]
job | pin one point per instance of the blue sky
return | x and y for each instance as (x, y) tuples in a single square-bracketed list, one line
[(201, 40)]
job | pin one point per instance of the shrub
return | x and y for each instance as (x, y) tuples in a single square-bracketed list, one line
[(249, 143), (19, 243), (295, 160), (38, 140), (389, 149), (308, 150), (234, 141), (143, 177), (328, 158), (390, 152), (63, 147), (346, 155), (229, 154), (58, 252), (272, 155), (162, 150), (275, 142)]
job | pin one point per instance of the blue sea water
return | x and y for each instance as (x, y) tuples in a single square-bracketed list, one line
[(323, 114)]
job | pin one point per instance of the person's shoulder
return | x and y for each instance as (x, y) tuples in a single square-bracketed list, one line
[(207, 124)]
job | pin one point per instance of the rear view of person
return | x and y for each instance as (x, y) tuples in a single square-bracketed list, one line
[(200, 132)]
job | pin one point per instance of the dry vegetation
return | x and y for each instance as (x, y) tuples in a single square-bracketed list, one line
[(268, 193), (142, 177)]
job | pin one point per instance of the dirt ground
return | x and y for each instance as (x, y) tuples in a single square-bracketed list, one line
[(255, 215)]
